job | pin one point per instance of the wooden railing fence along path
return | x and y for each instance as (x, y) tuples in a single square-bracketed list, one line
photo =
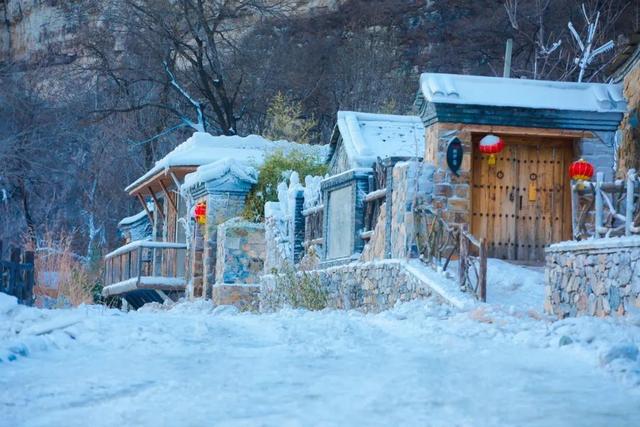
[(144, 259), (439, 242), (606, 209), (17, 274)]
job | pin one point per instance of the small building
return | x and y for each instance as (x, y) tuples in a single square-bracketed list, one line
[(522, 203), (178, 256), (361, 141)]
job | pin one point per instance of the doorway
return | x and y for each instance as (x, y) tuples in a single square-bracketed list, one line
[(523, 203)]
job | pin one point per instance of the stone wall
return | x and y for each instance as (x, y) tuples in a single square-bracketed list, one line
[(368, 287), (241, 252), (244, 297), (593, 277), (451, 193), (629, 154)]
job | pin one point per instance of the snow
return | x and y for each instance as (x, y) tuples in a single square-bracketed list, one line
[(367, 136), (144, 244), (417, 364), (133, 218), (203, 148), (537, 94), (154, 282), (593, 243), (239, 169)]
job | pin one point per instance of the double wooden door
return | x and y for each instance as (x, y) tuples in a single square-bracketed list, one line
[(522, 204)]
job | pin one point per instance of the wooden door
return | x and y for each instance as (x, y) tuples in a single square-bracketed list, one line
[(522, 204)]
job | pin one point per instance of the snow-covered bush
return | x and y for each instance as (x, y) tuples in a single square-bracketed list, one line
[(301, 290), (275, 169)]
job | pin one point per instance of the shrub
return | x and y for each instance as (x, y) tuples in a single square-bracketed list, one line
[(301, 290), (274, 170)]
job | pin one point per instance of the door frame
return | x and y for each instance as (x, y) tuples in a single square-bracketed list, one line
[(525, 139)]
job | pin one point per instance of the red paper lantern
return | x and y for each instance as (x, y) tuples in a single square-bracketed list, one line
[(581, 170), (491, 145), (200, 212)]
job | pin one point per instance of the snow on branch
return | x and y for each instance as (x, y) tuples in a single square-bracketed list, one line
[(588, 53)]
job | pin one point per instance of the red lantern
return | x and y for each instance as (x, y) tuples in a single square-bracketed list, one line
[(491, 145), (581, 171), (200, 212)]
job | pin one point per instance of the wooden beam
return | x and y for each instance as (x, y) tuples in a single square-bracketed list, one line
[(146, 208), (515, 130), (172, 202), (155, 200)]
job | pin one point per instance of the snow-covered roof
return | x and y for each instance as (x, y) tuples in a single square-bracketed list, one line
[(124, 222), (522, 93), (367, 136), (203, 148), (239, 169)]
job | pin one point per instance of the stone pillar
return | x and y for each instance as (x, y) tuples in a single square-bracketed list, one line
[(298, 227)]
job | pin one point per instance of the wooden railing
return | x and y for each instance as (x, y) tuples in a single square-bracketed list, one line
[(375, 198), (439, 242), (606, 209), (472, 265), (313, 226), (145, 259), (17, 274)]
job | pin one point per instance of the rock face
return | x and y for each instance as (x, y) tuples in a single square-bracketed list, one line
[(593, 277), (36, 33)]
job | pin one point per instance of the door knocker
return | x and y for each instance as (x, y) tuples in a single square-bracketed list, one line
[(533, 177), (500, 174)]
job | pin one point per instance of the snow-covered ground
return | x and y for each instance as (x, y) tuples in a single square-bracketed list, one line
[(418, 364)]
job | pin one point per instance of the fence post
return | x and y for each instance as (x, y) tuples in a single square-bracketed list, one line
[(631, 177), (2, 284), (599, 207), (482, 274), (29, 278), (574, 209), (13, 271), (464, 251)]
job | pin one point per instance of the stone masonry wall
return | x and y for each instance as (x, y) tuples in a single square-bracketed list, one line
[(368, 287), (241, 252), (629, 154), (451, 194), (593, 277)]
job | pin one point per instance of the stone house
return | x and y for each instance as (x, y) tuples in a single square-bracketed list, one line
[(168, 253), (522, 203)]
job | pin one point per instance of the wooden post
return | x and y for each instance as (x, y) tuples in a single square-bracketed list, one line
[(29, 279), (599, 207), (507, 59), (574, 210), (464, 252), (482, 273), (631, 177), (2, 285), (14, 272)]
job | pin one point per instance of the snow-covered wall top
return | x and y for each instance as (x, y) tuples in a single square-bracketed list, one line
[(203, 148), (522, 93), (238, 170), (367, 136)]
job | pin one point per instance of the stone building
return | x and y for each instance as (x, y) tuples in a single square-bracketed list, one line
[(168, 253), (522, 203)]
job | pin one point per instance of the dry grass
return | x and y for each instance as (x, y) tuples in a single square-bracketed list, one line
[(57, 263)]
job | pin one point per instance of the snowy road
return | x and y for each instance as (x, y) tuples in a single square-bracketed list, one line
[(419, 364)]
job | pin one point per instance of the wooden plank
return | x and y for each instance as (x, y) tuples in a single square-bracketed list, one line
[(146, 208), (517, 131), (155, 200), (464, 252), (482, 271), (172, 203)]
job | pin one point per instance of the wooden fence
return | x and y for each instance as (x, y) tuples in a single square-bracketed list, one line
[(606, 209), (17, 275), (375, 198), (439, 242), (313, 226)]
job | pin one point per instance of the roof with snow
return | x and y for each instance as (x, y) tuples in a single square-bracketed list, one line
[(203, 148), (367, 136), (519, 102)]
